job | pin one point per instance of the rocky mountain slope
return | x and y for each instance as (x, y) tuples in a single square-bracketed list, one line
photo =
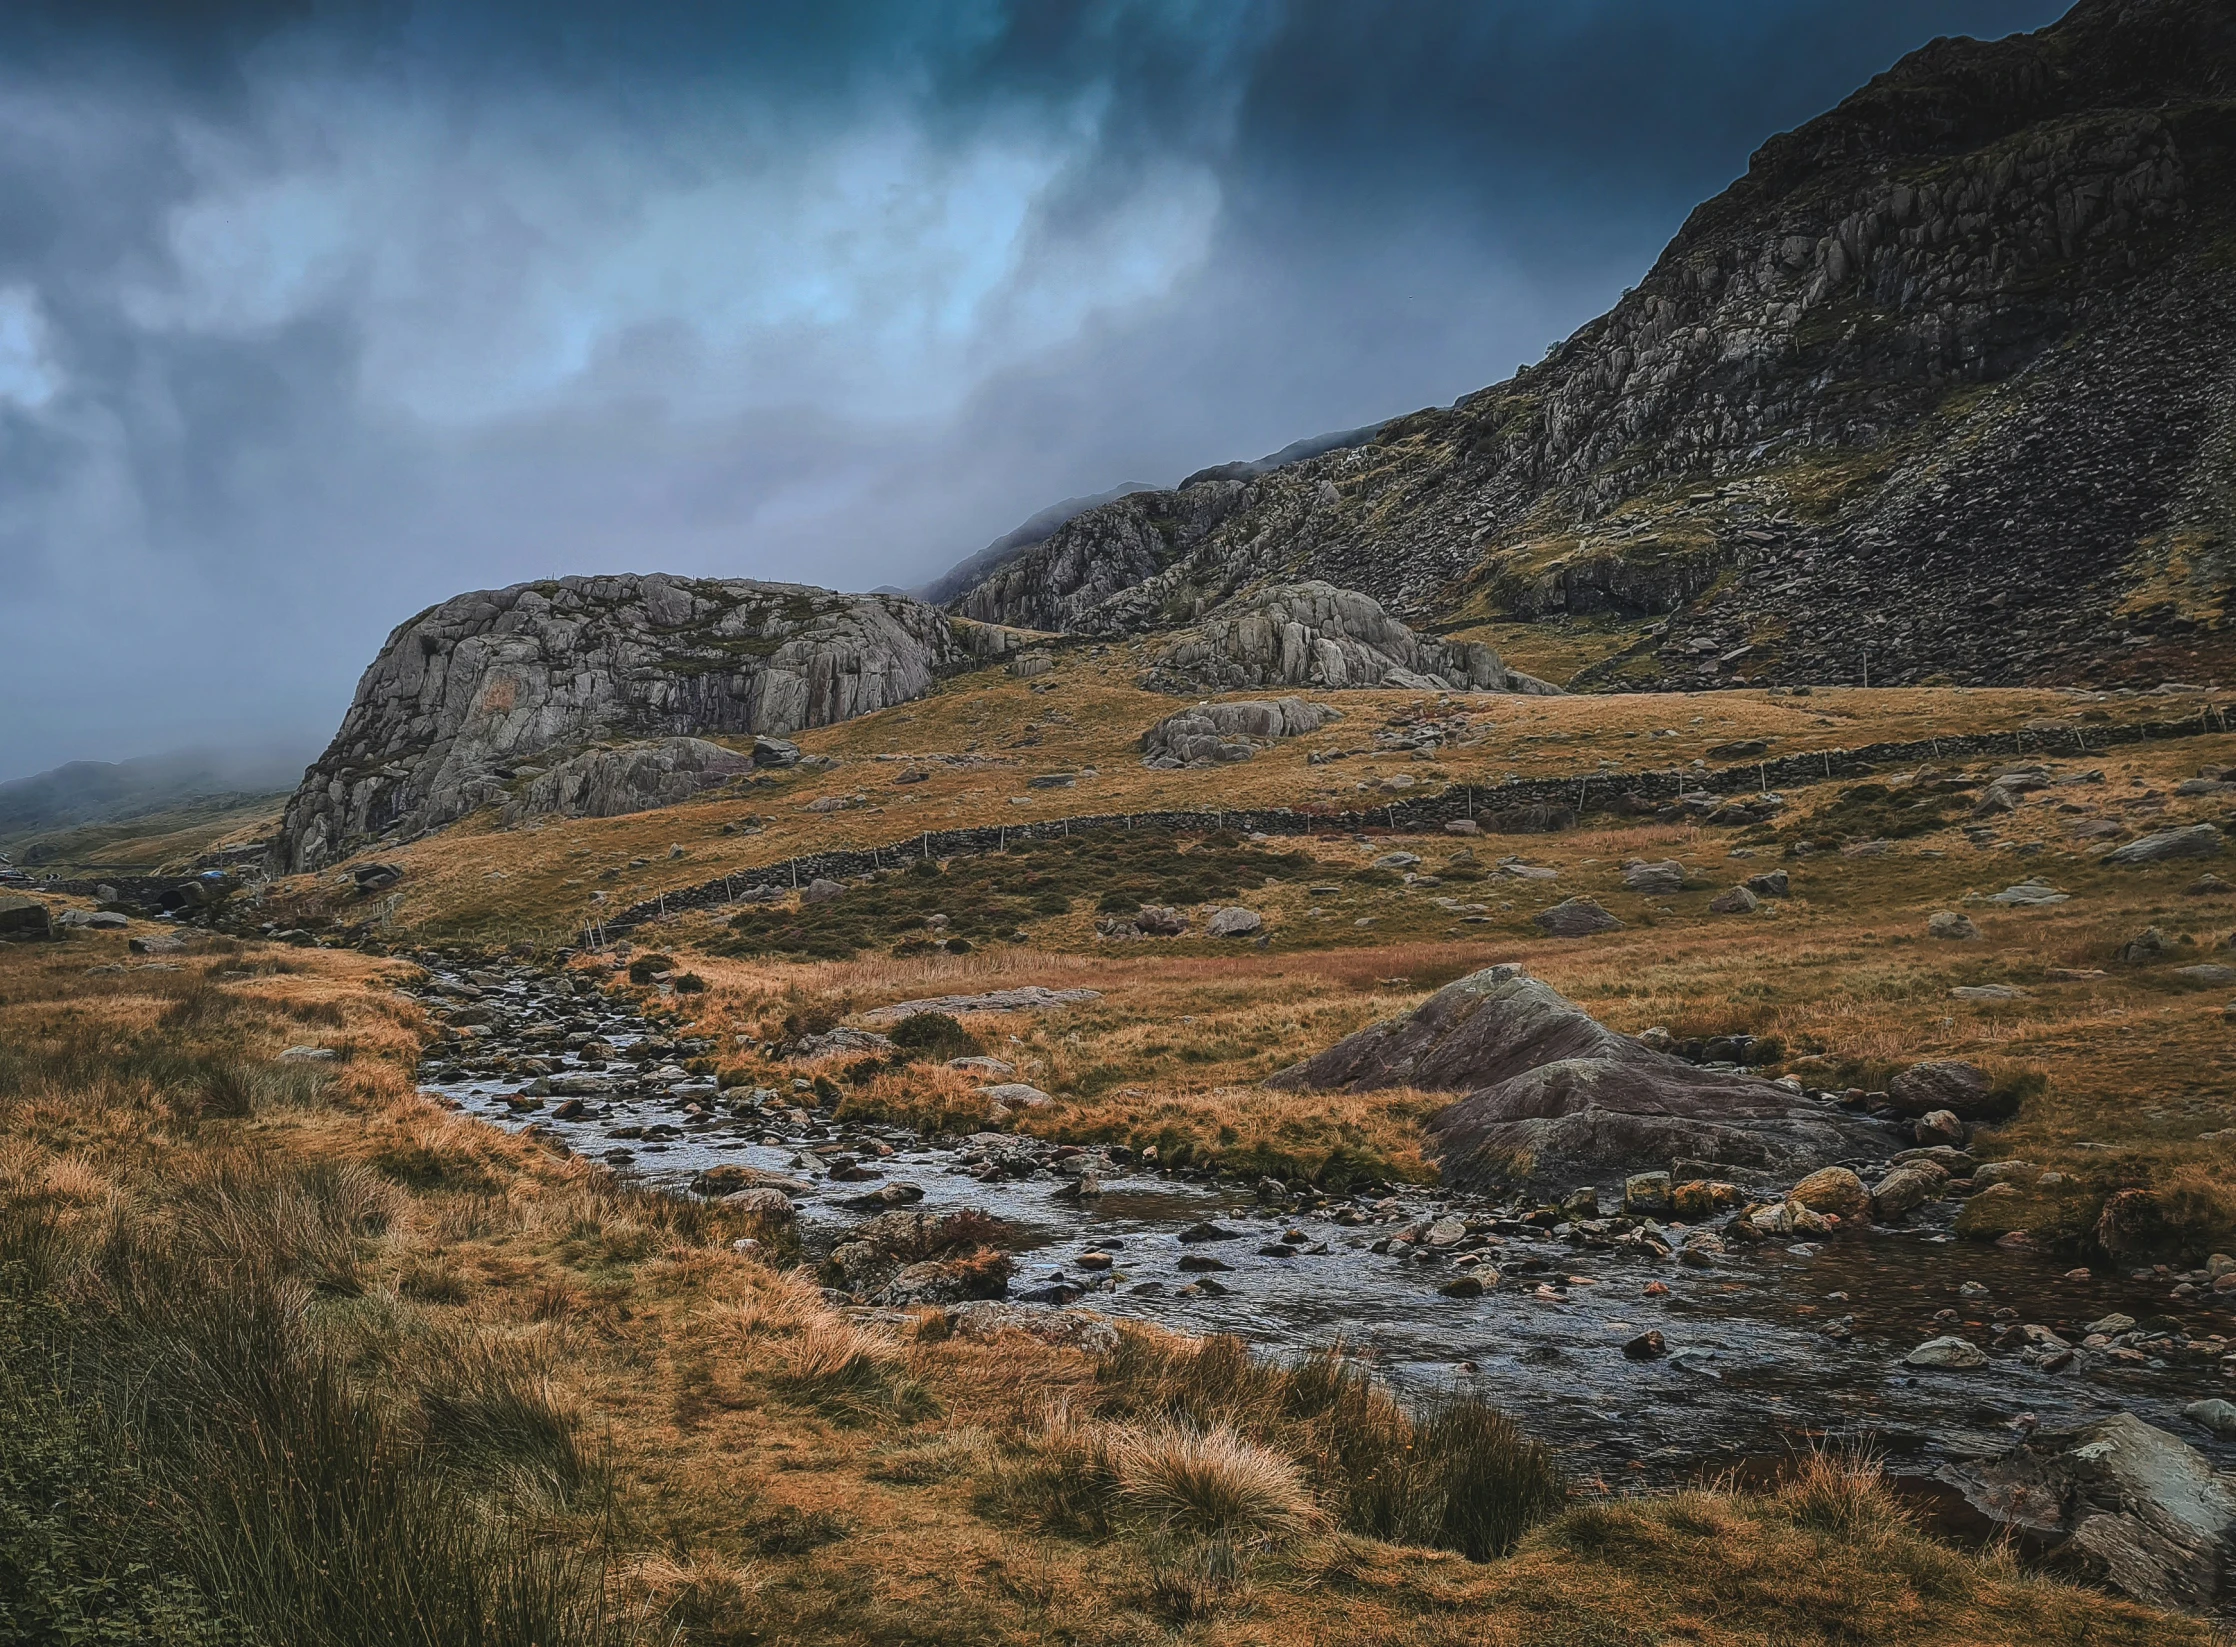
[(1940, 389), (472, 702), (1013, 543)]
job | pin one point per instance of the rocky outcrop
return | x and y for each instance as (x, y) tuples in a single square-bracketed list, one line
[(605, 783), (1316, 635), (1941, 387), (1554, 1099), (1212, 734), (474, 696)]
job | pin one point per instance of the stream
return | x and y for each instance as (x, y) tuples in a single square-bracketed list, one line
[(1748, 1370)]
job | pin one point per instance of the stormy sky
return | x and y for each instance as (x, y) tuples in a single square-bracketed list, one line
[(314, 314)]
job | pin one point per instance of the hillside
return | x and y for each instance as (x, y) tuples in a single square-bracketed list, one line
[(1937, 390), (166, 804)]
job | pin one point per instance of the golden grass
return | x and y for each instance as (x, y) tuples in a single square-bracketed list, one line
[(548, 879), (767, 1473)]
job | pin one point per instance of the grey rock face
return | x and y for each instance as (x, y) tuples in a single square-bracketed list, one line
[(467, 694), (1314, 634), (1554, 1098), (1318, 635), (1212, 734), (2126, 1503), (604, 783)]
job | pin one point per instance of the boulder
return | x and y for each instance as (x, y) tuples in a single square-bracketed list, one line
[(1772, 884), (1212, 734), (820, 891), (1314, 634), (1951, 1085), (1950, 1351), (2122, 1502), (1575, 918), (1952, 926), (2148, 945), (2131, 1224), (735, 1178), (1015, 1095), (2197, 841), (1904, 1190), (1737, 901), (1646, 1194), (1666, 876), (1026, 998), (1160, 921), (2034, 894), (771, 1205), (2208, 974), (22, 918), (1235, 923), (1836, 1190), (1939, 1127), (1554, 1098)]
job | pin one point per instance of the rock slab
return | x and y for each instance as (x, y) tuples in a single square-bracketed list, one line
[(1555, 1099)]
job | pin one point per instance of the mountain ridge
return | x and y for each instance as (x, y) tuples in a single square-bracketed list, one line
[(1955, 347)]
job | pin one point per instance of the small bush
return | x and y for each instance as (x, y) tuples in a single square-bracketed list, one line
[(934, 1035), (645, 968), (690, 983)]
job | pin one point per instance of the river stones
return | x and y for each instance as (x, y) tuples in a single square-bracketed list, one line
[(1835, 1190), (769, 1204), (1646, 1194), (2215, 1415), (1939, 1127), (734, 1178), (1575, 918), (1950, 1351), (1553, 1098), (1904, 1190)]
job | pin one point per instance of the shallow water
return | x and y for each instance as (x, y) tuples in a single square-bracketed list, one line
[(1749, 1374)]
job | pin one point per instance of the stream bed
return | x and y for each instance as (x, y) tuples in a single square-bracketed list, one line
[(1764, 1349)]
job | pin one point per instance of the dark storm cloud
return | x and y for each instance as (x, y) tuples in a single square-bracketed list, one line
[(313, 314)]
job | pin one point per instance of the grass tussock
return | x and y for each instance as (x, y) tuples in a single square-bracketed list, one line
[(1215, 1442)]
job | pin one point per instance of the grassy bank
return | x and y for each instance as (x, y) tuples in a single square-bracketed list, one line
[(290, 1354)]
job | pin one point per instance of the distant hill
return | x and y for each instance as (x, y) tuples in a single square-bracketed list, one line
[(87, 793)]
